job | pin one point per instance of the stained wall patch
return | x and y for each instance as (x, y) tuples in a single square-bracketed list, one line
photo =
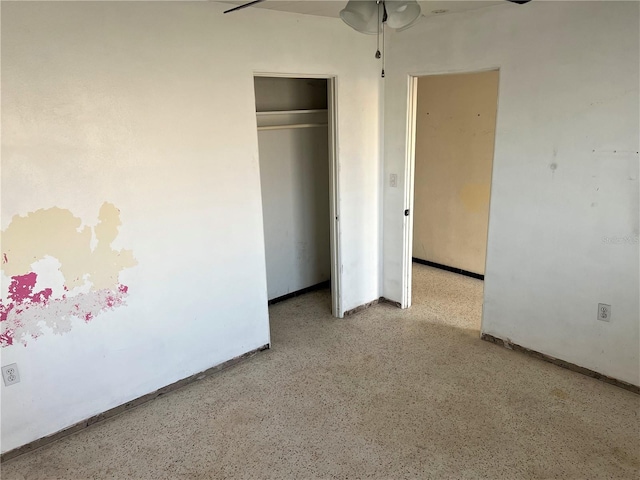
[(87, 281)]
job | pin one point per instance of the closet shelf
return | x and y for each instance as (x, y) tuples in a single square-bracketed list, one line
[(293, 125), (289, 112)]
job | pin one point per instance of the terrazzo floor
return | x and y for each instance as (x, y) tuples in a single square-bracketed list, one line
[(384, 394)]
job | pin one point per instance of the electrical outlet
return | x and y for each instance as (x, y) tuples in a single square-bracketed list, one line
[(604, 312), (10, 374), (393, 180)]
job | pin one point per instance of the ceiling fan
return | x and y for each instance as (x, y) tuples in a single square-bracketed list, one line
[(371, 16), (400, 8)]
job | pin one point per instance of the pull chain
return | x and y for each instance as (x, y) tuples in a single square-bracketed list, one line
[(383, 49), (378, 34)]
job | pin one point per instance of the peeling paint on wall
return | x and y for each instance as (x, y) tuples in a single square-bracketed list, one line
[(59, 271)]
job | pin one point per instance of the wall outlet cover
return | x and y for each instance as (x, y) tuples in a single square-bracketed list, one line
[(604, 312), (10, 374)]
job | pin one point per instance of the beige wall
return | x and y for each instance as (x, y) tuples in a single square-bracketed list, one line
[(455, 131)]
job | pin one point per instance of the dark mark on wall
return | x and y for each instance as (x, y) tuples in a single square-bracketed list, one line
[(561, 363)]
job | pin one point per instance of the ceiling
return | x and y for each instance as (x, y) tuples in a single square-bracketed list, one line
[(331, 8)]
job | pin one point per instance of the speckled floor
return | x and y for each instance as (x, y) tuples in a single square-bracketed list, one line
[(384, 394)]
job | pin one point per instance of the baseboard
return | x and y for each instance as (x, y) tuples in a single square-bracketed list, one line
[(390, 302), (41, 442), (370, 304), (448, 269), (556, 361), (318, 286), (364, 306)]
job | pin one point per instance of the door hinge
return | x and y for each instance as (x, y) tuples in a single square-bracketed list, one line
[(406, 212)]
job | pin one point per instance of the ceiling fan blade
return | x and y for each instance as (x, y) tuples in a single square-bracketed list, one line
[(519, 2), (240, 7)]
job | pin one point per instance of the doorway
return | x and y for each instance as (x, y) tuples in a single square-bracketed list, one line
[(296, 121), (452, 137)]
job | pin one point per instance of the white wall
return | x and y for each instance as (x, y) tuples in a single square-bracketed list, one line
[(565, 176), (150, 106)]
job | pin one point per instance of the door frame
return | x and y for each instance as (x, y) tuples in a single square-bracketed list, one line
[(334, 181), (409, 173)]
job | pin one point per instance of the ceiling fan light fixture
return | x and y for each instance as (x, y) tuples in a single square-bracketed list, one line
[(402, 13), (362, 16), (418, 18)]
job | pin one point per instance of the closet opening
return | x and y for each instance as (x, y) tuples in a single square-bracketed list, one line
[(297, 156)]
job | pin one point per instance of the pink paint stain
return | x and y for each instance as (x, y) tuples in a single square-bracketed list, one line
[(39, 305), (22, 286), (6, 338), (4, 311), (21, 289)]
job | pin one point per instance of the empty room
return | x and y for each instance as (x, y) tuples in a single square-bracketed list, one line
[(320, 239)]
